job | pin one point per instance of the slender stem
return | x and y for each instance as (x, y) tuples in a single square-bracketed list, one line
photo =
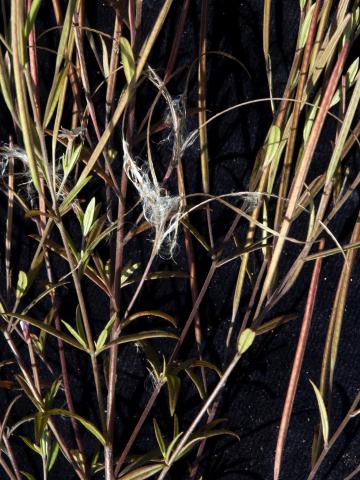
[(298, 360), (86, 322), (334, 438), (199, 416)]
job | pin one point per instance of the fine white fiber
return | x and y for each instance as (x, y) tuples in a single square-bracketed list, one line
[(159, 208), (15, 152)]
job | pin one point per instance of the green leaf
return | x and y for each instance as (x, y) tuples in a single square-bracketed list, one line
[(150, 313), (53, 456), (305, 27), (159, 437), (105, 58), (89, 216), (302, 4), (69, 163), (311, 118), (137, 337), (30, 444), (172, 445), (30, 20), (274, 323), (22, 284), (245, 340), (128, 270), (176, 426), (50, 396), (197, 381), (85, 423), (54, 94), (65, 33), (104, 334), (74, 192), (158, 276), (45, 327), (27, 475), (127, 59), (143, 472), (173, 384), (272, 143), (323, 414), (75, 334), (79, 324), (200, 436), (194, 362), (40, 421)]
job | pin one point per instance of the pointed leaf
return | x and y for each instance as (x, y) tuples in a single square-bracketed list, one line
[(305, 27), (128, 270), (143, 472), (199, 437), (172, 445), (54, 94), (53, 455), (85, 423), (137, 337), (323, 414), (74, 192), (79, 324), (105, 58), (104, 334), (22, 284), (159, 437), (197, 381), (30, 444), (40, 421), (173, 384), (89, 216), (273, 143), (27, 475), (30, 19), (45, 327), (245, 340), (127, 58), (75, 334), (151, 313)]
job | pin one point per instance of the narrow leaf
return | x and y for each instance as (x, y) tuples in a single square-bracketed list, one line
[(159, 437), (89, 216), (273, 143), (75, 334), (143, 472), (85, 423), (137, 337), (22, 284), (245, 340), (305, 27), (30, 20), (323, 414), (46, 328), (173, 384), (127, 58), (151, 313)]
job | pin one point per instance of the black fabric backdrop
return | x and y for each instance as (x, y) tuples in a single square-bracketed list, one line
[(253, 400)]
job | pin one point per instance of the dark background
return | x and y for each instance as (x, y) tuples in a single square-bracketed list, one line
[(253, 400)]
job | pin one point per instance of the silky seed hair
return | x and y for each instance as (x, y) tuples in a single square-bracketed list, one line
[(160, 209)]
